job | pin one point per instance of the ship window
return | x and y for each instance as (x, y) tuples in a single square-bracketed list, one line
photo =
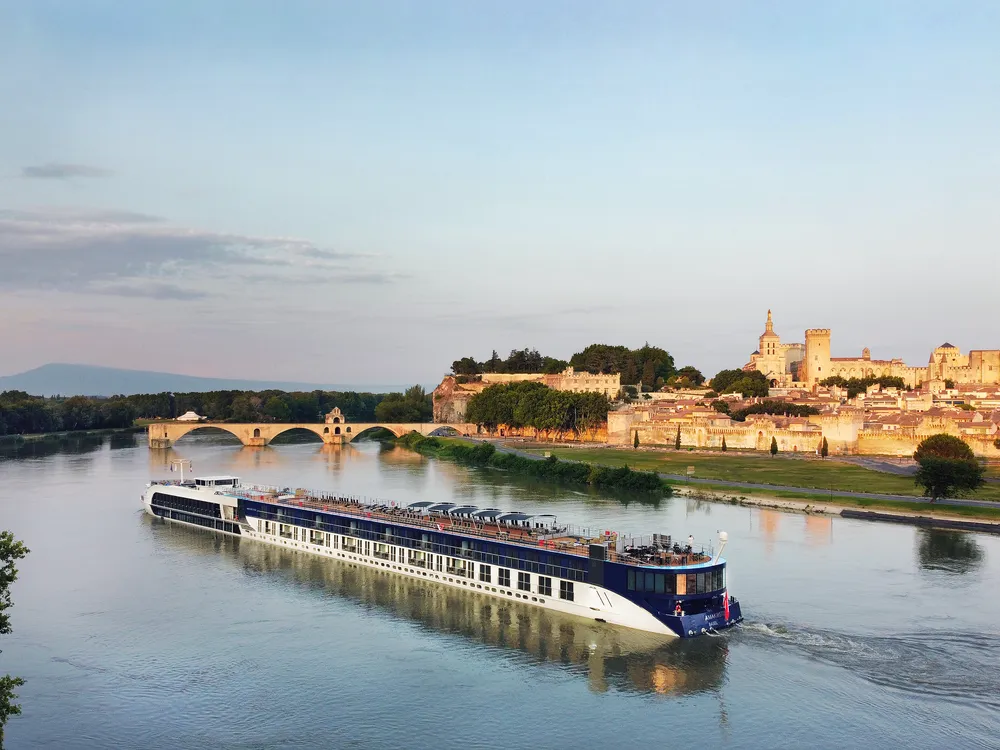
[(504, 577), (701, 583), (631, 580), (485, 574), (659, 583), (544, 586), (524, 581), (566, 590), (650, 577)]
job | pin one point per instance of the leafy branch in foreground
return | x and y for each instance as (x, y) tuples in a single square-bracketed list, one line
[(11, 550)]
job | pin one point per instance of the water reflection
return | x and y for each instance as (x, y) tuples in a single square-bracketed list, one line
[(609, 658), (53, 444), (819, 530), (952, 551)]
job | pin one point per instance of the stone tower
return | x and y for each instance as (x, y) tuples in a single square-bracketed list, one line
[(816, 365)]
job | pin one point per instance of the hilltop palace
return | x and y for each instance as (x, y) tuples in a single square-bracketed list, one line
[(805, 365)]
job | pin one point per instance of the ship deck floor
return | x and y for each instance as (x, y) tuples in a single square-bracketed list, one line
[(537, 538)]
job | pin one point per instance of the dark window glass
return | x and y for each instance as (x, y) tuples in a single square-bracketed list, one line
[(545, 586), (659, 583), (504, 577), (631, 580), (701, 584), (566, 590), (485, 573), (650, 577), (524, 581), (692, 583)]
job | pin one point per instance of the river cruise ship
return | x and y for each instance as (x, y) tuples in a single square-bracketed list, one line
[(649, 583)]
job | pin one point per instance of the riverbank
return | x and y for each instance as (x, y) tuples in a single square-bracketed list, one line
[(919, 514), (40, 437), (790, 476), (982, 517), (570, 472)]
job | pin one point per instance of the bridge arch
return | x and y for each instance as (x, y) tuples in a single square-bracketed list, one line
[(177, 435), (282, 429), (369, 427)]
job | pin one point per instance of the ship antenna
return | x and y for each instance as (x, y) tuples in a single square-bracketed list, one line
[(723, 539)]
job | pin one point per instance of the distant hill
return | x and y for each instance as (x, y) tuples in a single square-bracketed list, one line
[(89, 380)]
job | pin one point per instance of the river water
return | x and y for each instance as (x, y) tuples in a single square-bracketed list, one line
[(133, 633)]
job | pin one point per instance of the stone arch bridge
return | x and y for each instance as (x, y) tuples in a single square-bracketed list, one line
[(165, 434)]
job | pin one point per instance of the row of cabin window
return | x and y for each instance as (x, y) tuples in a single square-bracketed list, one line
[(196, 519), (576, 570), (680, 583), (421, 559), (186, 503)]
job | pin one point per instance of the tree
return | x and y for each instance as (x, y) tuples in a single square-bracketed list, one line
[(635, 442), (690, 374), (720, 406), (724, 448), (495, 364), (11, 550), (947, 464), (677, 441), (751, 383), (824, 449), (412, 406), (277, 409), (774, 446), (465, 366)]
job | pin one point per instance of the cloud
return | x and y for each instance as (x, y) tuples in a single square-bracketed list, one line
[(314, 252), (62, 171), (131, 254), (150, 291)]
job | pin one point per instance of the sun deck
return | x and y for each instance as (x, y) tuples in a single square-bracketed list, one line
[(645, 551)]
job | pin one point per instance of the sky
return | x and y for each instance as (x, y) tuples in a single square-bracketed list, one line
[(365, 192)]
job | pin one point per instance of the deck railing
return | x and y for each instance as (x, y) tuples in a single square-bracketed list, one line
[(570, 539)]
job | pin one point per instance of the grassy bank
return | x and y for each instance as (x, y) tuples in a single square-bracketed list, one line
[(734, 495), (485, 454), (826, 476)]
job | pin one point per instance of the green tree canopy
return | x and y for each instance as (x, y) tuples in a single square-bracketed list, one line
[(521, 405), (947, 464), (751, 383), (690, 375), (412, 406), (773, 406)]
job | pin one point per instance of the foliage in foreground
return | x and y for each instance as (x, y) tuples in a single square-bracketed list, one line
[(11, 550), (485, 454)]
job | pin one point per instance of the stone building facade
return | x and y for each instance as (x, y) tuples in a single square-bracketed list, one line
[(806, 365)]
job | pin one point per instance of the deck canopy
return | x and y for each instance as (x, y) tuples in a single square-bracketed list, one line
[(462, 510), (518, 519), (421, 504), (489, 514), (441, 507)]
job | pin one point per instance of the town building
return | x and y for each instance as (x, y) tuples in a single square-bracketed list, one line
[(808, 364)]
